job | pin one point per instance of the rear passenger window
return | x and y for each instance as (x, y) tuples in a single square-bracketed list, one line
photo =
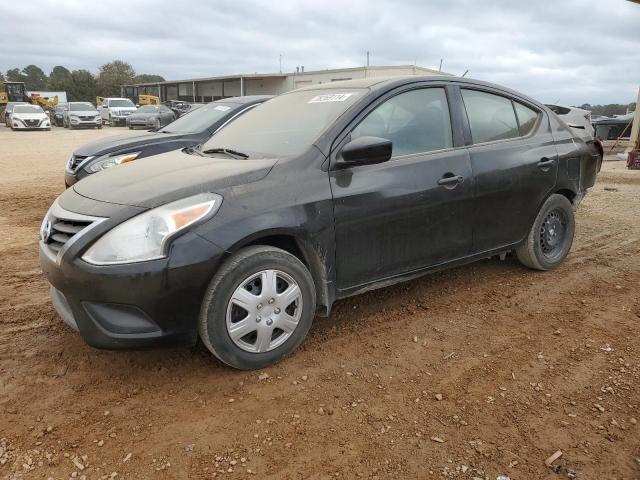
[(527, 118), (491, 117), (416, 121)]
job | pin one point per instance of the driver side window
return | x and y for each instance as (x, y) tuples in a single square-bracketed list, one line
[(416, 121)]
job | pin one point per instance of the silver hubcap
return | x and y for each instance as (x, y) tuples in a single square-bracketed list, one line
[(264, 311)]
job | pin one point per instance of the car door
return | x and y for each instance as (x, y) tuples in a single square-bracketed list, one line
[(412, 211), (515, 165)]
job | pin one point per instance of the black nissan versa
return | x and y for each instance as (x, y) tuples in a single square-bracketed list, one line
[(318, 194), (187, 131)]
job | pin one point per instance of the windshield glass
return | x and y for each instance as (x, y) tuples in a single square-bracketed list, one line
[(286, 125), (81, 107), (27, 109), (121, 103), (201, 118), (148, 109)]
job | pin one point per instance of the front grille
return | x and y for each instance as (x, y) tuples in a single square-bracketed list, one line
[(61, 227), (75, 161), (62, 231), (31, 123), (86, 118)]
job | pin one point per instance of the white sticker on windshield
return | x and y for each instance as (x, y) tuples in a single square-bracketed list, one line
[(331, 97), (222, 108)]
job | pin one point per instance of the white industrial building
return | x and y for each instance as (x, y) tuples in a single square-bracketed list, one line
[(214, 88)]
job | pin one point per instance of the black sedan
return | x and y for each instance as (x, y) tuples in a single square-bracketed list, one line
[(321, 193), (151, 116), (187, 131), (57, 115)]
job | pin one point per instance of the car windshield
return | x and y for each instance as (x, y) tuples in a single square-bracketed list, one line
[(201, 118), (81, 107), (27, 109), (286, 125), (121, 103), (148, 109)]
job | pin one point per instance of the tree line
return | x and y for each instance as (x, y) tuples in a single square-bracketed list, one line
[(610, 109), (80, 85)]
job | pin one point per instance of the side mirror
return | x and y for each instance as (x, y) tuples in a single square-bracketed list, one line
[(365, 151)]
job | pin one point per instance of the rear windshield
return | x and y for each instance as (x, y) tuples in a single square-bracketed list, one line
[(121, 103), (27, 109), (201, 118), (81, 107), (286, 125)]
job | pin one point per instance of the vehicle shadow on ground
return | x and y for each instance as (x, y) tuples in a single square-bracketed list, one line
[(345, 321)]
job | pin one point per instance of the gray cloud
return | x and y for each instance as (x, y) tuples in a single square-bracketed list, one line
[(574, 51)]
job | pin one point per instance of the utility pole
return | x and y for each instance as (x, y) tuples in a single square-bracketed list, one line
[(280, 63), (367, 58), (440, 67)]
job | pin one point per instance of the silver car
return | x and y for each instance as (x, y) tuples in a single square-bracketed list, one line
[(151, 116), (81, 115)]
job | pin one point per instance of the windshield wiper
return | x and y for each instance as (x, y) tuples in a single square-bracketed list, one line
[(193, 151), (228, 151)]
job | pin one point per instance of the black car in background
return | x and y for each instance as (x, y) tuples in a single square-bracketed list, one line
[(189, 130), (57, 117), (321, 193)]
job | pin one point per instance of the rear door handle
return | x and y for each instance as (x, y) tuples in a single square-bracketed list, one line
[(450, 180)]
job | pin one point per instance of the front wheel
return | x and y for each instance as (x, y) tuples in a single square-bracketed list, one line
[(258, 308), (551, 235)]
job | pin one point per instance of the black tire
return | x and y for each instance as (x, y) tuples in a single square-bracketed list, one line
[(551, 235), (213, 313)]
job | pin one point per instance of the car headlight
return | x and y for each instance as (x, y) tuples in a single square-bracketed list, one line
[(145, 236), (112, 161)]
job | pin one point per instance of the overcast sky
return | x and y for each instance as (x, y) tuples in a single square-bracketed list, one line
[(566, 51)]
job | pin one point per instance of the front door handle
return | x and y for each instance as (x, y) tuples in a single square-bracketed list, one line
[(546, 163), (450, 180)]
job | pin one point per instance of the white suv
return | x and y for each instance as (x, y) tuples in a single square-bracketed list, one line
[(115, 111)]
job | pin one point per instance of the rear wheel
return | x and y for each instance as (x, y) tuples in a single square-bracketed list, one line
[(258, 308), (551, 235), (111, 122)]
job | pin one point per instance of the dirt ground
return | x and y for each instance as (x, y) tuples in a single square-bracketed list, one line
[(473, 373)]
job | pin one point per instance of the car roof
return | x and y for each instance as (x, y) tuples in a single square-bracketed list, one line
[(379, 83), (245, 99)]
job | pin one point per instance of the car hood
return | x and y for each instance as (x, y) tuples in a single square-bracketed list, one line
[(144, 114), (153, 181), (29, 116), (124, 143)]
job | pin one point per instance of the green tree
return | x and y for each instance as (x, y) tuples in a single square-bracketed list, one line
[(82, 87), (14, 75), (147, 78), (112, 76), (59, 79), (34, 78), (1, 77)]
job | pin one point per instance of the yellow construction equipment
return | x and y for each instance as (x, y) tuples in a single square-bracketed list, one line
[(148, 100), (12, 92), (45, 102)]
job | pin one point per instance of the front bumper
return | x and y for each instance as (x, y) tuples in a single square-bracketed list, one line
[(133, 305), (138, 123), (85, 123), (21, 126)]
